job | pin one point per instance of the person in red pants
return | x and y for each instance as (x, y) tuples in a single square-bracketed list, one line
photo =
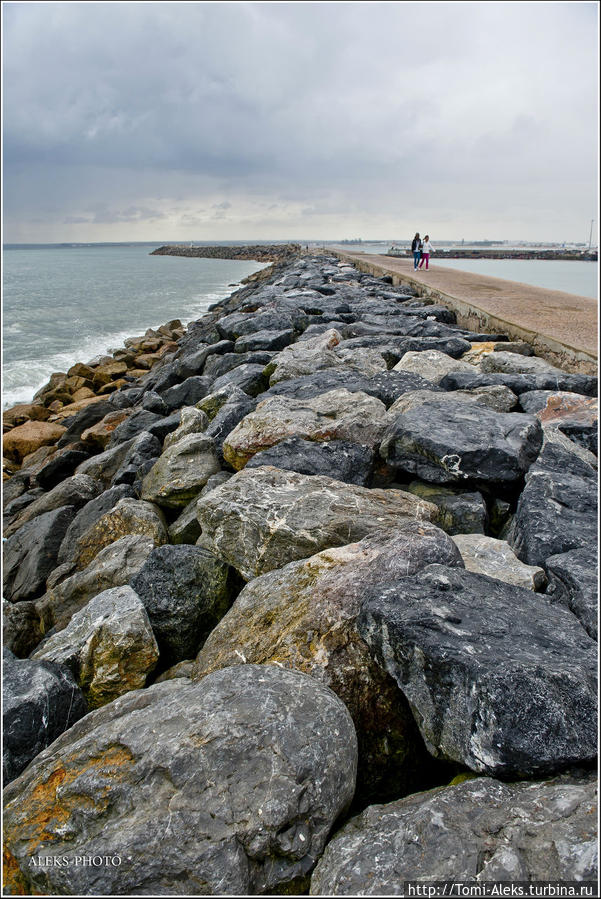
[(427, 248)]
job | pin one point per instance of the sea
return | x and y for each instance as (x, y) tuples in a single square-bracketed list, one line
[(67, 304)]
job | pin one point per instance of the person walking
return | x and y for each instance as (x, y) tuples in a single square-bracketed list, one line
[(427, 248), (416, 249)]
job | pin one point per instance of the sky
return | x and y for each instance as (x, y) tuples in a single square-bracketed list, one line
[(329, 121)]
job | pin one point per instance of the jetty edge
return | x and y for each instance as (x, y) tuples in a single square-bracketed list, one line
[(561, 327), (327, 583)]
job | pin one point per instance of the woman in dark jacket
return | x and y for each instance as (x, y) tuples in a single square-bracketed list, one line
[(416, 249)]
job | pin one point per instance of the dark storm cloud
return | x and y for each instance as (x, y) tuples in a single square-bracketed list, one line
[(135, 114)]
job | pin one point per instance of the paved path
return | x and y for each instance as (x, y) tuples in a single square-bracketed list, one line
[(561, 326)]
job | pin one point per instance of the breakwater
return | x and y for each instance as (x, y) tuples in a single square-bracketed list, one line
[(258, 252), (330, 549)]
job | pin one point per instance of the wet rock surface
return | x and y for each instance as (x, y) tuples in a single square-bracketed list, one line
[(313, 435)]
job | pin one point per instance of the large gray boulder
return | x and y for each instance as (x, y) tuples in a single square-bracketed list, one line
[(40, 700), (30, 555), (336, 415), (264, 517), (557, 510), (308, 356), (522, 381), (573, 582), (185, 591), (431, 365), (338, 459), (387, 386), (459, 511), (108, 646), (499, 678), (112, 567), (471, 833), (486, 555), (453, 442), (181, 472), (227, 786), (21, 627), (304, 616)]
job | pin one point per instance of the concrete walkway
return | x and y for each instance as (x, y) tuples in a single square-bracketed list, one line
[(562, 327)]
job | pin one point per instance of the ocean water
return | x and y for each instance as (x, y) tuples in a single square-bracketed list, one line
[(63, 305), (571, 276)]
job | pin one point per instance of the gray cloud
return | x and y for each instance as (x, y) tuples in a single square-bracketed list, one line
[(318, 119)]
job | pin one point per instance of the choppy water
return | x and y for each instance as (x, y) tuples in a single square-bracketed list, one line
[(65, 305)]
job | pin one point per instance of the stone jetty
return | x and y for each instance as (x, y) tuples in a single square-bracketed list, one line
[(301, 599), (258, 252)]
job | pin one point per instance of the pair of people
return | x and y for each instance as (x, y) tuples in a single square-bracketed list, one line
[(421, 250)]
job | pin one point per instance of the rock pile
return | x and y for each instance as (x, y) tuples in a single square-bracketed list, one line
[(313, 576), (259, 252)]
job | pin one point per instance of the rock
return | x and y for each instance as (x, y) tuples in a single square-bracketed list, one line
[(485, 555), (554, 435), (87, 516), (387, 386), (192, 362), (75, 491), (113, 463), (127, 517), (516, 363), (432, 365), (153, 402), (338, 459), (248, 377), (186, 591), (12, 511), (180, 472), (557, 510), (187, 393), (308, 356), (84, 418), (454, 441), (521, 382), (573, 582), (26, 438), (62, 465), (99, 435), (303, 616), (337, 415), (22, 412), (21, 629), (192, 421), (498, 398), (40, 701), (132, 425), (217, 366), (264, 340), (573, 414), (108, 646), (498, 678), (185, 528), (31, 553), (114, 566), (471, 833), (263, 518), (230, 785), (459, 511)]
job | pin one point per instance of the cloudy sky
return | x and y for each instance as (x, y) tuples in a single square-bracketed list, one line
[(201, 121)]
